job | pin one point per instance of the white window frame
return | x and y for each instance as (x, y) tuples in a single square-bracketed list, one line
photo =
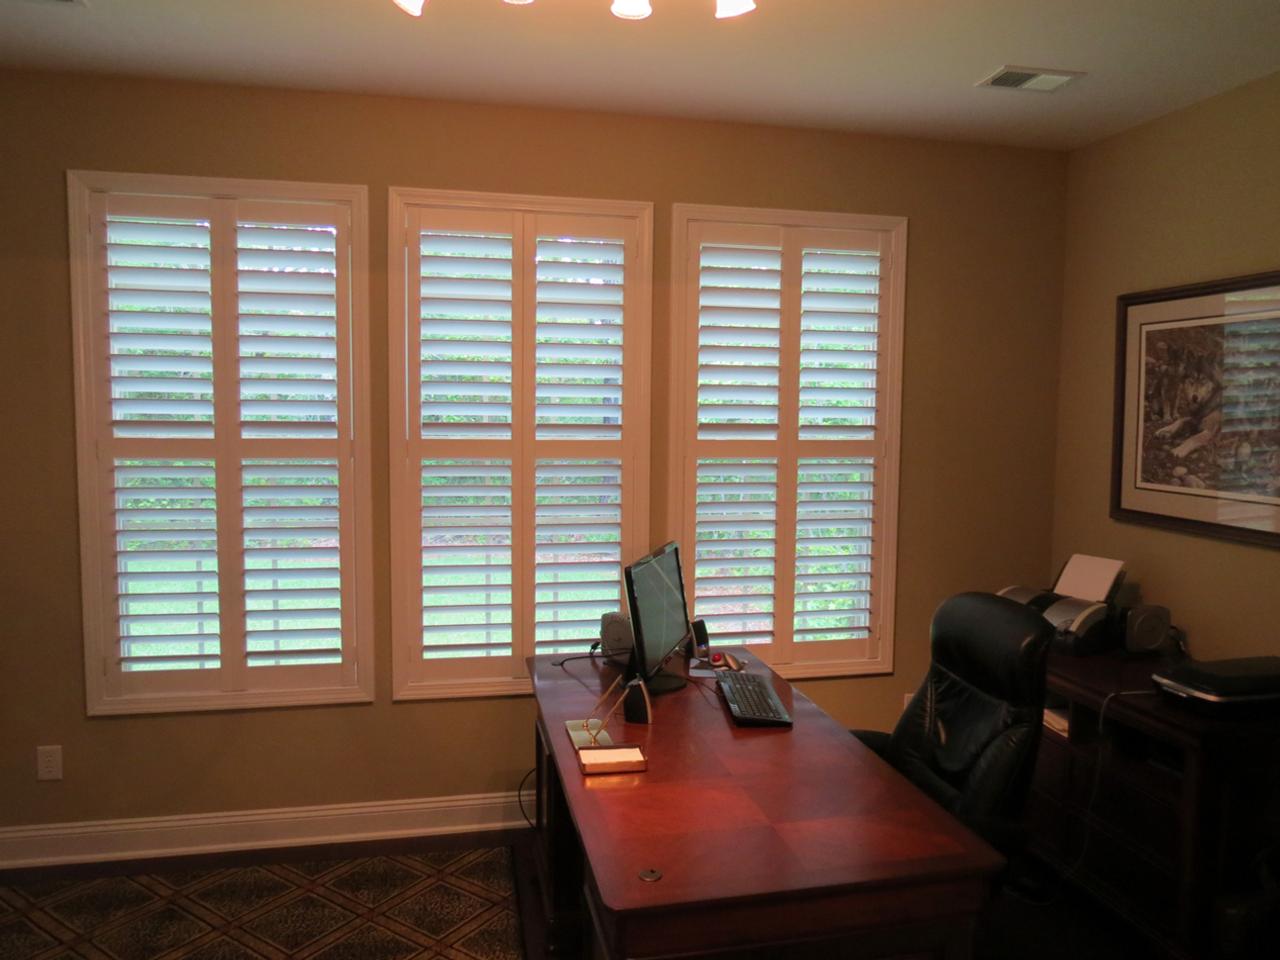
[(784, 656), (412, 678), (234, 685)]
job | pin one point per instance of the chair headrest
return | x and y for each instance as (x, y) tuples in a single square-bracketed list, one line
[(996, 644)]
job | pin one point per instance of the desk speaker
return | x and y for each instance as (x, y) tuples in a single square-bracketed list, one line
[(616, 639), (1146, 629)]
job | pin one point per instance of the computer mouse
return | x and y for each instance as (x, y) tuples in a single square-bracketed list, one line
[(724, 661)]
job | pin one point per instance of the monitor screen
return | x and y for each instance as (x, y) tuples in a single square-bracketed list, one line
[(655, 592)]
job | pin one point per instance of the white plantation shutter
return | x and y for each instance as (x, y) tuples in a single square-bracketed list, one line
[(839, 314), (465, 346), (835, 501), (287, 287), (466, 559), (159, 303), (579, 332), (217, 347), (166, 544), (292, 562), (578, 552), (739, 311), (516, 495), (735, 547), (788, 447)]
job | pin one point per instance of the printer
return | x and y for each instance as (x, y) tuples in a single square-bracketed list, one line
[(1081, 605)]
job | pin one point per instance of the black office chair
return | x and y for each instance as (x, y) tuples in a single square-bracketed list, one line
[(969, 736)]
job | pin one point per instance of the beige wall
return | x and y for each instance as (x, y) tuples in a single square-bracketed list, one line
[(983, 307), (1192, 196)]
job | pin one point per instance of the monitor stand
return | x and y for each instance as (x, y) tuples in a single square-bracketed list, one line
[(665, 682)]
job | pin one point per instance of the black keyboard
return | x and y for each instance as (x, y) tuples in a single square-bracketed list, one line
[(752, 700)]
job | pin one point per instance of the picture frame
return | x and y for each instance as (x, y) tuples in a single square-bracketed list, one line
[(1196, 437)]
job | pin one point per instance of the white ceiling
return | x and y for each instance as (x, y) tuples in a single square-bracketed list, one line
[(891, 66)]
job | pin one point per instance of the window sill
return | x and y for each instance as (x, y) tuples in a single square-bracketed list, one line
[(242, 700), (465, 689)]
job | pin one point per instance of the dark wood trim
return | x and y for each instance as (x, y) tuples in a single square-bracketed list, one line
[(1202, 528)]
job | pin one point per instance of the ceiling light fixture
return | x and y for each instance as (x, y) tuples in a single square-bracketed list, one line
[(625, 9), (631, 9), (733, 8)]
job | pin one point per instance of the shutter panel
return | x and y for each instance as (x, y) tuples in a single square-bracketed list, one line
[(578, 562), (839, 319), (739, 309), (466, 558), (166, 565), (579, 338), (735, 548), (835, 504), (465, 314), (292, 554), (287, 282), (160, 328)]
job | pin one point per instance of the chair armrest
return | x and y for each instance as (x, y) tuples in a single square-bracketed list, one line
[(877, 740)]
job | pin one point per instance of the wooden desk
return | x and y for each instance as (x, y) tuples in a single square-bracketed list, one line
[(775, 841)]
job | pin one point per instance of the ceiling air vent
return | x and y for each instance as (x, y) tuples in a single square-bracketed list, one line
[(1030, 78)]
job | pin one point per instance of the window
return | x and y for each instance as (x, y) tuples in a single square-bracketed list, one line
[(519, 358), (787, 361), (222, 441)]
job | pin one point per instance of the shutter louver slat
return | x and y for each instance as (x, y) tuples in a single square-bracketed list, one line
[(288, 333), (466, 558), (739, 315), (834, 527), (166, 565), (292, 586), (579, 336), (735, 548), (578, 562), (838, 343), (464, 340), (160, 332)]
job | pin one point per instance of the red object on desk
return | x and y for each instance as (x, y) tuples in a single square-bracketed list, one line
[(761, 836)]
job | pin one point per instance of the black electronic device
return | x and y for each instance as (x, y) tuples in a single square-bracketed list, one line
[(701, 640), (1221, 686), (752, 700), (659, 619)]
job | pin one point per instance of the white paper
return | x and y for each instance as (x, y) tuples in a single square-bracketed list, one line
[(612, 756), (1088, 578)]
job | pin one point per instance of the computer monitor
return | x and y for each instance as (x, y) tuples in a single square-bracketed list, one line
[(655, 594)]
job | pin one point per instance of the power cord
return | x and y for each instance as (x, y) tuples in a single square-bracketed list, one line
[(589, 655), (520, 796), (1095, 788)]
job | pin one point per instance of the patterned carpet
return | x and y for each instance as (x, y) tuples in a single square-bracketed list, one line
[(456, 904)]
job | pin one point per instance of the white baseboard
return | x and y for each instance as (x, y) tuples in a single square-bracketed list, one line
[(93, 841)]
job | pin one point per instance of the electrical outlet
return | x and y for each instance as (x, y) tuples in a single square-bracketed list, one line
[(906, 700), (49, 763)]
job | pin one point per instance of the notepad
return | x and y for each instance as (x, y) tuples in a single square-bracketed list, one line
[(620, 759)]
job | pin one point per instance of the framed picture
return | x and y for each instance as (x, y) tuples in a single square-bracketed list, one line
[(1196, 445)]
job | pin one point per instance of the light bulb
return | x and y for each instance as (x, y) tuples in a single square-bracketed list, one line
[(517, 3), (411, 7), (733, 8), (631, 9)]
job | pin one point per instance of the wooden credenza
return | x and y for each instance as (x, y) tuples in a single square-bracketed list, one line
[(1154, 808)]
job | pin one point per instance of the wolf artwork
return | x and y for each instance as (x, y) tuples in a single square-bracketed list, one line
[(1211, 407)]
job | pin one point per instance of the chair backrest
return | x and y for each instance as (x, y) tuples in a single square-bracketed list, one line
[(969, 736)]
